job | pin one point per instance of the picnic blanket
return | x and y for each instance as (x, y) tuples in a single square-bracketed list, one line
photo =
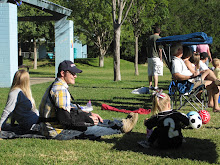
[(13, 135), (140, 110)]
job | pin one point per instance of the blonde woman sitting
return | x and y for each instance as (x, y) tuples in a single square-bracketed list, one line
[(20, 105)]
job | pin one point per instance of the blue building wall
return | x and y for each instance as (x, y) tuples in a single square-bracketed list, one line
[(77, 49), (8, 43), (42, 51), (63, 41), (80, 51), (84, 51)]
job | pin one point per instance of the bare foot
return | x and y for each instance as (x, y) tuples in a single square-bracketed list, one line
[(216, 109)]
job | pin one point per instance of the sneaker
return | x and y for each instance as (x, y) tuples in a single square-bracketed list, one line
[(217, 82), (151, 88), (155, 88), (129, 122)]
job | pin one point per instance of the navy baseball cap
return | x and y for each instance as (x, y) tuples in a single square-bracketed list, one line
[(67, 65)]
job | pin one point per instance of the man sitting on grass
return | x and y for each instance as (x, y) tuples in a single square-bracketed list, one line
[(63, 120)]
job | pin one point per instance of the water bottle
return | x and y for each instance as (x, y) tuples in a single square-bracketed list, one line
[(88, 107), (89, 104)]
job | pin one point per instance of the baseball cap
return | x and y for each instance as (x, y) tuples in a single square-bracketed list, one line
[(67, 65), (203, 55)]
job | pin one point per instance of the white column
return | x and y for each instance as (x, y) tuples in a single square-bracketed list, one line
[(8, 43), (63, 41)]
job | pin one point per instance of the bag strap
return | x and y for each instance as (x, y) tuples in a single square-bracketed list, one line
[(73, 100)]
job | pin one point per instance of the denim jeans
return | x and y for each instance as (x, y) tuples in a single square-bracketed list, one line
[(108, 127)]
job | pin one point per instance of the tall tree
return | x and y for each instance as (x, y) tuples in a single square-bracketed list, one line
[(92, 18), (195, 16), (120, 9)]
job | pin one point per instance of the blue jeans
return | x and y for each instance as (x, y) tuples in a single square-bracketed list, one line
[(108, 127)]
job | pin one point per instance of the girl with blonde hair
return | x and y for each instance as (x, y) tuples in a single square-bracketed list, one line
[(167, 122), (20, 105), (216, 64)]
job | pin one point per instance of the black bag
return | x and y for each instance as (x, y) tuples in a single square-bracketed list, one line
[(74, 119)]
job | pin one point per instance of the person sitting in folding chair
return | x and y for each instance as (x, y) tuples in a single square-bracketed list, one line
[(197, 65), (180, 72)]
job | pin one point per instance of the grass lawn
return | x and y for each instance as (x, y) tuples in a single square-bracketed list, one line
[(96, 84)]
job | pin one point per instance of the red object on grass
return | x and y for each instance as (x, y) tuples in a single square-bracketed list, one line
[(140, 110), (205, 116)]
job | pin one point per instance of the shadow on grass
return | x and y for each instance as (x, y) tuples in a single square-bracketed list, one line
[(104, 87), (194, 149), (47, 64), (120, 104), (86, 61), (213, 127), (42, 73)]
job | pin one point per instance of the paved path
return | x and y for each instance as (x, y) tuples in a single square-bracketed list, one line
[(35, 80)]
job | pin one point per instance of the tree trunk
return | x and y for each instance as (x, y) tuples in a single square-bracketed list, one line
[(29, 57), (35, 55), (117, 73), (136, 57), (101, 60), (19, 49), (101, 57)]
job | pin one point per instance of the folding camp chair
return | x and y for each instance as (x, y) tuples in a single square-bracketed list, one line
[(183, 92), (177, 95)]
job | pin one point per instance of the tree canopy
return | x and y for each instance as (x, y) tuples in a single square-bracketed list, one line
[(93, 23)]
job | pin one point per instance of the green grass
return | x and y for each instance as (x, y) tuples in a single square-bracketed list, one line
[(96, 84)]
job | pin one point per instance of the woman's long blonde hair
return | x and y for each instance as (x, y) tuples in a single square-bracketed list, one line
[(22, 80), (196, 59), (160, 103)]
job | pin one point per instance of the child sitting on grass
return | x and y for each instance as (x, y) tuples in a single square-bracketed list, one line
[(167, 122)]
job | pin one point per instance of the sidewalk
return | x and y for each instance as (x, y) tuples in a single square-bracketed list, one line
[(39, 80)]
